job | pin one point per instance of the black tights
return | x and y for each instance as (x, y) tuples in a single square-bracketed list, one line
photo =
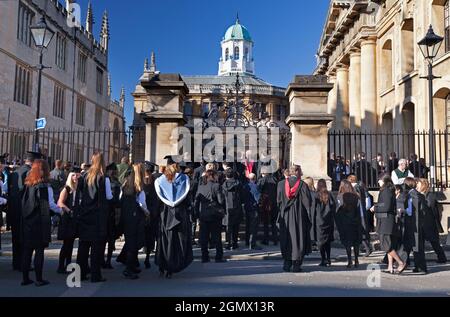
[(96, 249), (27, 255), (349, 253), (325, 251), (65, 255)]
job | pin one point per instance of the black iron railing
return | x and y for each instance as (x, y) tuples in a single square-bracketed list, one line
[(368, 154)]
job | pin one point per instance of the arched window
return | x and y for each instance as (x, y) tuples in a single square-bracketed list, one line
[(447, 25), (227, 54), (408, 47), (236, 53)]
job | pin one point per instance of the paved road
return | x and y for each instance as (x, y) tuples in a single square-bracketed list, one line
[(247, 274)]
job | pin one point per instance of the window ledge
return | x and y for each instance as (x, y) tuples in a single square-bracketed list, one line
[(442, 59), (408, 77), (387, 91)]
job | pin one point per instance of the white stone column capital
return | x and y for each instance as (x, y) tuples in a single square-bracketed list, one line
[(372, 40), (354, 53), (342, 68)]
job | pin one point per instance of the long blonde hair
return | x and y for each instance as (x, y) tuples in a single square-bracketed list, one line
[(97, 168), (71, 184), (423, 186), (134, 183), (171, 171)]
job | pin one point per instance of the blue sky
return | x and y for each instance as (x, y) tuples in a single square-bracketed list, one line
[(186, 35)]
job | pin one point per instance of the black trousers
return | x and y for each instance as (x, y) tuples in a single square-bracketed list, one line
[(272, 221), (27, 255), (325, 251), (16, 247), (151, 236), (96, 249), (233, 232), (65, 255), (213, 229), (419, 257), (251, 227), (436, 244)]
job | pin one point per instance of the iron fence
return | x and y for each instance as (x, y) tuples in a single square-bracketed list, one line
[(377, 149), (76, 146)]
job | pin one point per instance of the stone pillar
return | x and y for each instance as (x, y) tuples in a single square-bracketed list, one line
[(163, 114), (355, 90), (368, 85), (308, 121), (332, 99), (342, 107)]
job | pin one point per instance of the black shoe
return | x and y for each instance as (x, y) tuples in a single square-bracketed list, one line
[(356, 264), (228, 247), (349, 265), (130, 275), (256, 248), (296, 268), (221, 261), (41, 283), (136, 270), (323, 264), (168, 275), (147, 264), (368, 253), (329, 262), (287, 266), (441, 261), (98, 280), (417, 270), (206, 260), (27, 282)]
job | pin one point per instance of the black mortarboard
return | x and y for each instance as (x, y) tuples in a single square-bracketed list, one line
[(33, 156), (150, 166), (172, 159), (75, 169), (111, 167)]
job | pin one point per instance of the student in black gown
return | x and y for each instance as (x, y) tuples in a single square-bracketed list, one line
[(413, 236), (174, 247), (113, 230), (348, 221), (294, 203), (15, 192), (133, 214), (232, 190), (432, 226), (37, 202), (92, 219), (69, 202), (152, 222), (267, 186), (312, 189), (388, 224), (325, 211)]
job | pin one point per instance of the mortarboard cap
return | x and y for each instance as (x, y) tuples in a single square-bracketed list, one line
[(75, 169), (111, 167), (150, 166), (33, 156), (172, 159)]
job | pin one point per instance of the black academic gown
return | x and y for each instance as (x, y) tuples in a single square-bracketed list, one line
[(324, 220), (348, 219), (36, 221), (293, 221), (67, 228), (413, 225), (432, 226), (133, 219), (174, 248), (365, 219), (92, 218)]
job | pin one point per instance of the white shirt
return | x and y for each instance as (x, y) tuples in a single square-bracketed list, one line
[(109, 195), (140, 200)]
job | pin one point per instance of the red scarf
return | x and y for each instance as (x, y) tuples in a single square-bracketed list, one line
[(249, 168), (290, 192)]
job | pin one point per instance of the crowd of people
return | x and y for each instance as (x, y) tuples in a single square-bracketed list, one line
[(367, 171), (160, 210)]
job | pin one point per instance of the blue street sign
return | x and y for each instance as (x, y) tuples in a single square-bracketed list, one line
[(41, 123)]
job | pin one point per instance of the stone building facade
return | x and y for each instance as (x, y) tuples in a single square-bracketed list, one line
[(76, 91), (369, 51)]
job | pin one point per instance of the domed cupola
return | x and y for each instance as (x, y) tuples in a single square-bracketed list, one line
[(237, 51)]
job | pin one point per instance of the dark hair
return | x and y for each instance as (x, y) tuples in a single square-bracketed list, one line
[(410, 183), (229, 173), (346, 187), (322, 191), (209, 176), (387, 183), (399, 188)]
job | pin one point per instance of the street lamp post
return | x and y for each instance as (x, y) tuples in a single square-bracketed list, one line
[(42, 36), (430, 46)]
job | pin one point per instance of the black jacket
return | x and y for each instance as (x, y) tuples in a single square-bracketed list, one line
[(209, 202), (386, 211)]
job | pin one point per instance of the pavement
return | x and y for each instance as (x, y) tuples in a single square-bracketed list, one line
[(248, 273)]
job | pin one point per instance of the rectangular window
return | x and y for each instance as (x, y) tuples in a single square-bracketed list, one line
[(98, 118), (25, 20), (79, 154), (447, 25), (281, 113), (187, 109), (60, 57), (82, 66), (81, 111), (56, 151), (99, 81), (22, 85), (59, 99)]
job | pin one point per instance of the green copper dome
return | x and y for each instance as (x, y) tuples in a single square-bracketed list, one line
[(237, 32)]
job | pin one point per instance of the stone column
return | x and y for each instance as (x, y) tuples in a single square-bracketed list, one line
[(368, 85), (332, 99), (342, 107), (355, 90), (308, 121)]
